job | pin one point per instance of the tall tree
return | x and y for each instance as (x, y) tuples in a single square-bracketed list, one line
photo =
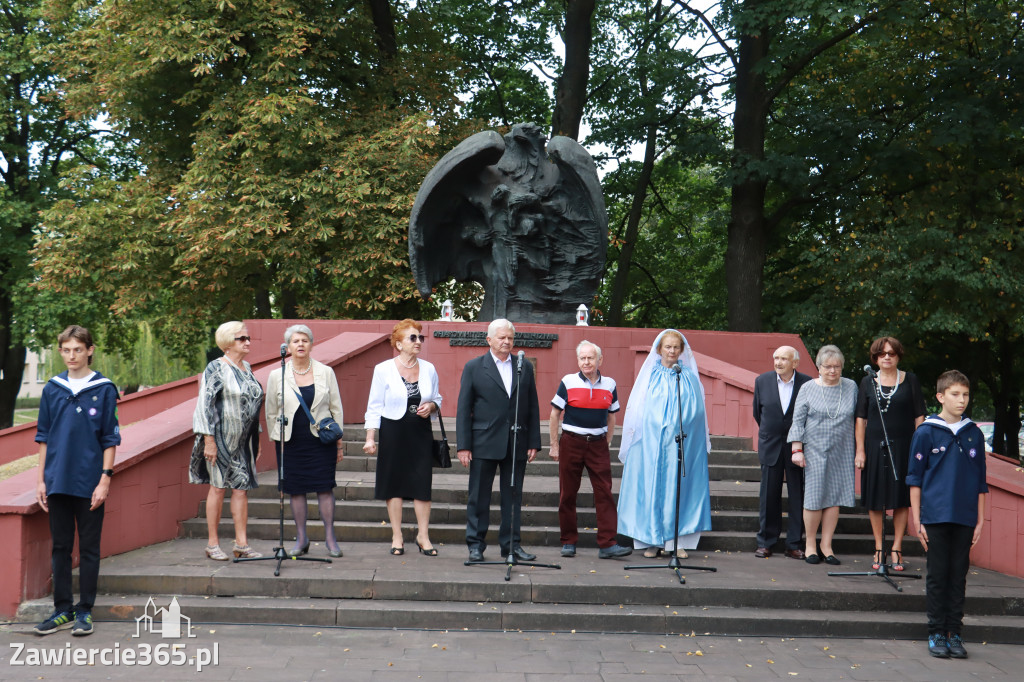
[(649, 90), (925, 240), (768, 43), (571, 84), (282, 145), (505, 56), (37, 142)]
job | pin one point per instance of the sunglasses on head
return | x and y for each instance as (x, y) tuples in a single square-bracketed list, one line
[(417, 337), (243, 339)]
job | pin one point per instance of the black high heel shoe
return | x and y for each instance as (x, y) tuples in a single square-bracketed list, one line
[(299, 552), (426, 552)]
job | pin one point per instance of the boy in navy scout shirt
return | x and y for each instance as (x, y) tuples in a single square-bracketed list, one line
[(947, 498), (77, 435)]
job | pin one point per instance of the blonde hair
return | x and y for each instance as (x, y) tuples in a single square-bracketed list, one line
[(225, 334)]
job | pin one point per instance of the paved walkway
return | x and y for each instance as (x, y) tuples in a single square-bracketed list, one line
[(254, 653)]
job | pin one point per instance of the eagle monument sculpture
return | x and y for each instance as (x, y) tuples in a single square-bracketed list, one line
[(525, 221)]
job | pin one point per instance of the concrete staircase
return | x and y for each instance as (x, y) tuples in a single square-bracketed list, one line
[(370, 588)]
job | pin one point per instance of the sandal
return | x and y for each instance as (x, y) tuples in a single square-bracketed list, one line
[(426, 552), (878, 560), (680, 553), (397, 551), (246, 552), (652, 552), (216, 553), (898, 564)]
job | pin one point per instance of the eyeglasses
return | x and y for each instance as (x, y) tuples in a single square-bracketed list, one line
[(243, 339), (831, 368), (417, 337), (887, 354), (72, 351)]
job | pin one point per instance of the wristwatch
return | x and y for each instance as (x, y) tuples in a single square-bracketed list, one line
[(108, 472)]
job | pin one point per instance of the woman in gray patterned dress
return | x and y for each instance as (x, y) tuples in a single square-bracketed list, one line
[(227, 427), (823, 444)]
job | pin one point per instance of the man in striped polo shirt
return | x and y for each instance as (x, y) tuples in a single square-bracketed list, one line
[(586, 402)]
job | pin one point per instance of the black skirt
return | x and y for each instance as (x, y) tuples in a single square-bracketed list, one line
[(404, 458), (309, 465)]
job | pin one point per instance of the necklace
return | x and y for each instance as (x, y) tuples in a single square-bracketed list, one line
[(237, 365), (839, 404), (309, 366), (414, 362), (887, 397)]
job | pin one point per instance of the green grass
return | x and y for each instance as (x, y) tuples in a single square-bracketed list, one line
[(25, 416)]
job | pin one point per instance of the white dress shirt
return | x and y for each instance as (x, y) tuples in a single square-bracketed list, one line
[(785, 390), (505, 370)]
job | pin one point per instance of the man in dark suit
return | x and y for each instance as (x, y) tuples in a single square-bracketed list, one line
[(493, 386), (774, 397)]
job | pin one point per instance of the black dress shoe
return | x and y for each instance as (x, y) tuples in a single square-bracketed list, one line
[(762, 552), (522, 555), (831, 560), (812, 559), (476, 554)]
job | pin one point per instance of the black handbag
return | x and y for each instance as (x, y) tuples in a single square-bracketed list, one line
[(328, 429), (441, 451)]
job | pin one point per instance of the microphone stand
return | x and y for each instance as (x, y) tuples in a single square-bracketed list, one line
[(674, 564), (883, 568), (280, 554), (511, 561)]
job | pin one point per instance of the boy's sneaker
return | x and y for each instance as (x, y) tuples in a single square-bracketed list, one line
[(938, 646), (60, 620), (956, 647), (83, 624)]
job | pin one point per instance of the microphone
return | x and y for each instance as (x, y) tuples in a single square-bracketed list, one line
[(869, 371), (284, 349), (676, 369), (519, 362)]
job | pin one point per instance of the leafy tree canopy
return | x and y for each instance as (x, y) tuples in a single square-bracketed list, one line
[(279, 146)]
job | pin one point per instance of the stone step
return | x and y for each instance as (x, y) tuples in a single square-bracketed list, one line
[(533, 536), (531, 617), (544, 466), (356, 460), (375, 511), (724, 496), (356, 434), (370, 588)]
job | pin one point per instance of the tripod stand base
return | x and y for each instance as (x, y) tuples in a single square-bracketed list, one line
[(511, 563), (882, 573), (674, 565), (279, 556)]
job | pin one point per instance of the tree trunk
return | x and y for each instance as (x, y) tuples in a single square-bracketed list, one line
[(748, 243), (571, 87), (384, 27), (12, 363), (636, 210)]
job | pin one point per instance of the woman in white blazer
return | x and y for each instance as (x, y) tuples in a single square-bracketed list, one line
[(403, 397), (309, 465)]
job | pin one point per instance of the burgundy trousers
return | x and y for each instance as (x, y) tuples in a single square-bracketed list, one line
[(575, 453)]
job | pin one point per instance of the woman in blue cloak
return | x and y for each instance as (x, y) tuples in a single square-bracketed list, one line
[(647, 495)]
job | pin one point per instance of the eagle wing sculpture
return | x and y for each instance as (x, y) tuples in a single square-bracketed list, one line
[(528, 223)]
